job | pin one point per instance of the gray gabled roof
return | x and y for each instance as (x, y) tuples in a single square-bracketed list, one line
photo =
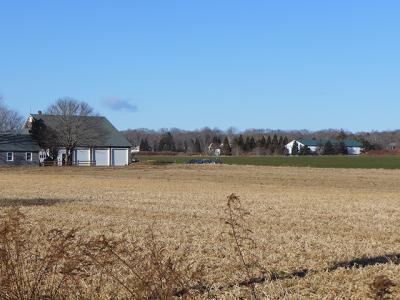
[(98, 130), (12, 142)]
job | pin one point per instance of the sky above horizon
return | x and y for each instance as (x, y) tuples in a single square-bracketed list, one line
[(190, 64)]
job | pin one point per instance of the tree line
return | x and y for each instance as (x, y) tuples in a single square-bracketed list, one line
[(250, 141), (201, 144)]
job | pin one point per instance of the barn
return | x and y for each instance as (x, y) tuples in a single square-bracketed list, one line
[(18, 149), (353, 147), (100, 143)]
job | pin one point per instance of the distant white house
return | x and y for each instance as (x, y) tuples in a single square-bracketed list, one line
[(135, 149), (215, 149), (353, 147)]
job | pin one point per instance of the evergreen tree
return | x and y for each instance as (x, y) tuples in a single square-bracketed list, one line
[(46, 137), (328, 148), (275, 141), (305, 150), (268, 143), (262, 142), (144, 145), (341, 148), (274, 144), (226, 147), (252, 143), (280, 149), (295, 148), (240, 142), (285, 141), (167, 143), (197, 146), (246, 146), (216, 140)]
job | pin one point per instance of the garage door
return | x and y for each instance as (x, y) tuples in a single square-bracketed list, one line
[(120, 157), (101, 157), (82, 156)]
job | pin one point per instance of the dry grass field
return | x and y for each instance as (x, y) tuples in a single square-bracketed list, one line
[(318, 233)]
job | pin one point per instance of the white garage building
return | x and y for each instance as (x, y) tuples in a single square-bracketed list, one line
[(100, 143)]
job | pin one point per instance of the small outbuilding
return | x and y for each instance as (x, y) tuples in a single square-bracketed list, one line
[(18, 149)]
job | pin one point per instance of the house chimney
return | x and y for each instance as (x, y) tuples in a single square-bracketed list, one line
[(39, 112)]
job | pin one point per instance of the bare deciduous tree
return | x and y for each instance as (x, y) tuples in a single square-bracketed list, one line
[(71, 130), (69, 107), (9, 119)]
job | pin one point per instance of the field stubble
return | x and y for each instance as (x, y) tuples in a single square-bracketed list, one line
[(317, 221)]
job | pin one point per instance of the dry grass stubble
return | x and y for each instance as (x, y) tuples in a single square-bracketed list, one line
[(302, 219)]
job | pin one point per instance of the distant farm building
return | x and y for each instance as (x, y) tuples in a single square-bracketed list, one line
[(353, 147), (101, 143), (215, 149)]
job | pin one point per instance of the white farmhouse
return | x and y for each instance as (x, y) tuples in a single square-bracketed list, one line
[(353, 147), (215, 149)]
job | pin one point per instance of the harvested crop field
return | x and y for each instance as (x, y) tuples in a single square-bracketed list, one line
[(318, 233)]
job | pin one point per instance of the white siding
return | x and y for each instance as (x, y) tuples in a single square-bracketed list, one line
[(313, 148), (82, 156), (101, 157), (120, 157), (353, 150), (61, 152), (42, 156)]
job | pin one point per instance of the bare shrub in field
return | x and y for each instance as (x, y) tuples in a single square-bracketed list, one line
[(56, 264), (243, 243), (34, 264), (145, 269), (381, 288)]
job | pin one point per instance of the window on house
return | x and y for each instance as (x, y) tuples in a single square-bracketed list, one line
[(29, 156), (10, 156)]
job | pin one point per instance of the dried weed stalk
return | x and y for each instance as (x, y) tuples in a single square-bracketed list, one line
[(244, 244), (144, 268)]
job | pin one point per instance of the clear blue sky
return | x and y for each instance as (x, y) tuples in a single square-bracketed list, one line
[(217, 63)]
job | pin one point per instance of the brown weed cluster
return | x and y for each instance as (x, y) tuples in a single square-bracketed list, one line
[(58, 264), (36, 264)]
